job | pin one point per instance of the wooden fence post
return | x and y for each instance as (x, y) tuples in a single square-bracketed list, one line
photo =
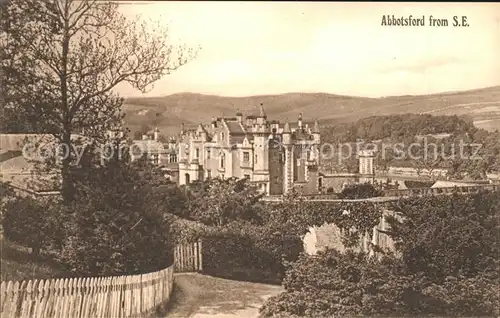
[(200, 253)]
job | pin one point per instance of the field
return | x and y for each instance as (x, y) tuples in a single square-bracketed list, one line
[(168, 112)]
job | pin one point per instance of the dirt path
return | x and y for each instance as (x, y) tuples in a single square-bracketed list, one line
[(200, 296)]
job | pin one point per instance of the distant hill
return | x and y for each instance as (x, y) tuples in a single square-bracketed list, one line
[(168, 112)]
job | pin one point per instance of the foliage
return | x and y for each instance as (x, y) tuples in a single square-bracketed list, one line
[(360, 191), (414, 184), (397, 127), (6, 193), (28, 222), (5, 190), (332, 284), (249, 252), (448, 267), (449, 235), (62, 59), (116, 224), (218, 202), (19, 264), (294, 216), (464, 150)]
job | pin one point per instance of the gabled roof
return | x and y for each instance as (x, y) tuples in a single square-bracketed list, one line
[(235, 127), (237, 139)]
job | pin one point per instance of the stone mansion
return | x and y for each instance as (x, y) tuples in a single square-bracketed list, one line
[(277, 157)]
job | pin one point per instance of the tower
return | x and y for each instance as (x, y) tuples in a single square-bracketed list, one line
[(156, 134), (315, 133), (239, 116), (261, 119), (184, 177), (287, 144), (366, 168)]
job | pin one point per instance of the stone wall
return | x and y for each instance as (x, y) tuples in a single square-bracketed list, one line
[(330, 236)]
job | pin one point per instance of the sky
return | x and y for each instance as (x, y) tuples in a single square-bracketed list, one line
[(255, 48)]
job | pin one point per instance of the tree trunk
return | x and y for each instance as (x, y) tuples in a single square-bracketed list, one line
[(67, 189), (67, 184)]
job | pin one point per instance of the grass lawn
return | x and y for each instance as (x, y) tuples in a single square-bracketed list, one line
[(17, 263)]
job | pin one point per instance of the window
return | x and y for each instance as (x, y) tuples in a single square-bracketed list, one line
[(222, 159), (247, 176), (222, 136), (255, 160), (209, 174), (208, 153), (197, 153), (154, 159), (246, 156), (172, 158)]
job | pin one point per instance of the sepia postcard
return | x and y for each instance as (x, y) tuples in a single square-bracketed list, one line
[(214, 159)]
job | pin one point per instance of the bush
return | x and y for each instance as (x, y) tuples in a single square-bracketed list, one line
[(414, 184), (360, 191), (27, 222), (116, 224), (249, 253), (332, 284), (447, 265)]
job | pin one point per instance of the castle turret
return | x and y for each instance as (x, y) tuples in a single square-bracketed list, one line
[(287, 134), (156, 134), (366, 162), (261, 119), (202, 132), (315, 132), (239, 116)]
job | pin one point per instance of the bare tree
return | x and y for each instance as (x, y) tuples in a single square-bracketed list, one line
[(61, 60)]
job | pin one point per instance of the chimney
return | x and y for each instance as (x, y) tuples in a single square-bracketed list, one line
[(157, 134)]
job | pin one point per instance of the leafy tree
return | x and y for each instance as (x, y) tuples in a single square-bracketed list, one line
[(117, 223), (218, 202), (446, 265), (449, 235), (62, 59), (143, 130)]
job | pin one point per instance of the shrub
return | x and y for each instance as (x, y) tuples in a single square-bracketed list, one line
[(27, 222), (248, 252), (448, 266), (116, 224), (360, 191), (332, 284), (414, 184)]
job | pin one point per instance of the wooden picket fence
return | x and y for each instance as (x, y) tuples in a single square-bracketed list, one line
[(113, 297), (188, 258)]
